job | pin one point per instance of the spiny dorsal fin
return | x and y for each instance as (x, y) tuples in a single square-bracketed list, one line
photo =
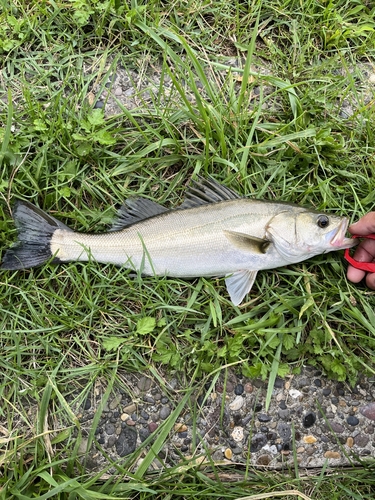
[(135, 210), (204, 191), (247, 242)]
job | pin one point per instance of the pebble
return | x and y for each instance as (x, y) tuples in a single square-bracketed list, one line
[(294, 393), (309, 420), (248, 388), (332, 454), (118, 91), (144, 384), (350, 442), (126, 442), (239, 389), (262, 417), (115, 402), (237, 434), (152, 426), (264, 460), (164, 412), (99, 105), (237, 403), (284, 431), (336, 427), (180, 428), (228, 453), (352, 420), (368, 411), (361, 440), (258, 441), (130, 408), (309, 439)]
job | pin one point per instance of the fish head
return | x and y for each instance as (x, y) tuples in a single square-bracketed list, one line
[(300, 233)]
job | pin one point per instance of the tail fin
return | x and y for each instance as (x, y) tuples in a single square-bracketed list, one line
[(35, 230)]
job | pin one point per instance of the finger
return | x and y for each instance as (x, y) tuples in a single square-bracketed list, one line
[(355, 275), (370, 280), (365, 251), (365, 225)]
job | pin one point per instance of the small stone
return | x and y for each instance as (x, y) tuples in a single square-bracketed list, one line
[(300, 449), (150, 400), (111, 441), (115, 402), (143, 434), (271, 448), (284, 431), (264, 460), (237, 434), (318, 382), (100, 105), (336, 427), (361, 440), (309, 420), (326, 391), (294, 393), (279, 383), (237, 403), (239, 389), (164, 412), (118, 91), (350, 442), (180, 428), (130, 422), (351, 420), (283, 414), (130, 408), (309, 439), (126, 442), (282, 404), (144, 384), (152, 426), (248, 388), (145, 415), (110, 429), (228, 453), (368, 411), (257, 407), (257, 442), (332, 454), (262, 417)]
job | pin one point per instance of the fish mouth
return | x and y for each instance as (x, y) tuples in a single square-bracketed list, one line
[(339, 241)]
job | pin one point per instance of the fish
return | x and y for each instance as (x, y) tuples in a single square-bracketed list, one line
[(214, 233)]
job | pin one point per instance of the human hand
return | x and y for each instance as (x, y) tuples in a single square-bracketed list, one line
[(365, 252)]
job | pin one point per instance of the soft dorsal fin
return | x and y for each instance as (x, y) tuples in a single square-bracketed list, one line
[(204, 191), (135, 210)]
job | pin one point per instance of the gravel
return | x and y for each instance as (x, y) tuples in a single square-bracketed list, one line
[(304, 426)]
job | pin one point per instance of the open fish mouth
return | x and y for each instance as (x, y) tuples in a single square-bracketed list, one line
[(339, 240)]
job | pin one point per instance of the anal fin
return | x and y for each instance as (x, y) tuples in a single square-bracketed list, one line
[(239, 284)]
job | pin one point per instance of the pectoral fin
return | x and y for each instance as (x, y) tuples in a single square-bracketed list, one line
[(239, 284), (247, 243)]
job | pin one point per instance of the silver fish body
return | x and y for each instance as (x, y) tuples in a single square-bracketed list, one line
[(213, 233)]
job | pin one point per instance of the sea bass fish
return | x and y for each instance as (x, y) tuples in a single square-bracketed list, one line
[(215, 232)]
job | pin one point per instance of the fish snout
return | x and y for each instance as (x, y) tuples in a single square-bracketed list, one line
[(339, 241)]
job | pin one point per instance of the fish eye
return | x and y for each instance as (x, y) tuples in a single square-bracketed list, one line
[(323, 221)]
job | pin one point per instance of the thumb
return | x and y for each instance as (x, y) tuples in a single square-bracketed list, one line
[(365, 225)]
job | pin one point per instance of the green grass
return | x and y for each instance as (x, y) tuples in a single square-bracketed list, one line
[(274, 133)]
